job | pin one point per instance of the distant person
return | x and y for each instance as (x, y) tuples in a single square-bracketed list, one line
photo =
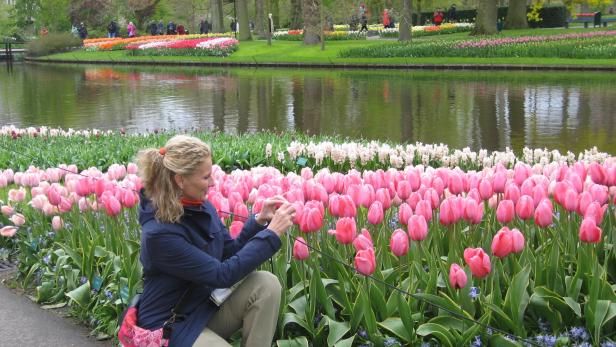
[(152, 28), (131, 29), (437, 17), (83, 31), (233, 25), (364, 22), (451, 14), (75, 30), (611, 10), (160, 27), (353, 22), (386, 19), (204, 26), (171, 28), (112, 29), (181, 30), (44, 31)]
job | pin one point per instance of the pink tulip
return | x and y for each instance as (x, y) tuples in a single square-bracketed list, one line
[(65, 205), (404, 213), (584, 199), (375, 213), (473, 211), (512, 192), (423, 208), (382, 195), (502, 243), (599, 193), (485, 189), (49, 209), (527, 187), (130, 199), (446, 212), (8, 231), (83, 187), (311, 218), (300, 249), (346, 230), (131, 168), (365, 262), (598, 173), (521, 172), (18, 219), (525, 207), (57, 223), (432, 196), (570, 202), (366, 196), (3, 181), (589, 231), (7, 210), (342, 206), (418, 228), (457, 276), (543, 213), (560, 190), (399, 243), (404, 189), (236, 228), (540, 192), (413, 199), (112, 206), (363, 241), (455, 185), (478, 261), (17, 195), (499, 181), (595, 211), (505, 211), (517, 239)]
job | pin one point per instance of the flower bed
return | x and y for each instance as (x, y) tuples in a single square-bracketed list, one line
[(103, 44), (526, 250), (298, 35), (211, 46), (430, 30), (598, 44)]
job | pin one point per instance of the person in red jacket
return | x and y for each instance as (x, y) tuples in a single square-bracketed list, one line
[(437, 17), (386, 19)]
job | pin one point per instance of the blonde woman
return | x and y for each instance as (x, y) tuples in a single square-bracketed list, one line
[(185, 245)]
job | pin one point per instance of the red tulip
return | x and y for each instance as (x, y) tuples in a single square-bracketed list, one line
[(525, 207), (363, 241), (300, 249), (505, 211), (589, 231), (346, 230), (560, 190), (457, 276), (365, 262), (418, 228), (404, 213), (236, 228), (543, 213), (375, 213), (478, 261), (399, 243)]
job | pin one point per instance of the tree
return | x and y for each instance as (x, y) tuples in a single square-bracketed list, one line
[(405, 21), (260, 24), (93, 13), (297, 21), (143, 10), (312, 21), (242, 19), (217, 23), (516, 15), (26, 11), (485, 24), (52, 15)]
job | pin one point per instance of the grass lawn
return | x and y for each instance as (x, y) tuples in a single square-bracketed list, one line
[(295, 52)]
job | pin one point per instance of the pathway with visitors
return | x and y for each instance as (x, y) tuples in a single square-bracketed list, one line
[(24, 323)]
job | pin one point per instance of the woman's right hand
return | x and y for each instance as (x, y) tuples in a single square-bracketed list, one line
[(283, 219)]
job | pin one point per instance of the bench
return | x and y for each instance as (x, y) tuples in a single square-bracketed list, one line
[(590, 17)]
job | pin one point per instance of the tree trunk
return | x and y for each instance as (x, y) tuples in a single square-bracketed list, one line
[(275, 11), (312, 21), (516, 15), (217, 22), (486, 18), (296, 15), (242, 20), (406, 24), (260, 23)]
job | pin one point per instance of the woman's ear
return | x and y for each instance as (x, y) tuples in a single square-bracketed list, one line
[(179, 180)]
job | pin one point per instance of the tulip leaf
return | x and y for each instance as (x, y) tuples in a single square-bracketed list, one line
[(502, 317), (336, 331), (369, 317), (396, 327), (543, 309), (294, 318), (438, 331), (358, 312), (575, 306), (574, 285), (81, 294), (378, 303), (517, 298), (501, 341), (299, 305), (443, 302), (346, 342), (405, 313), (300, 341)]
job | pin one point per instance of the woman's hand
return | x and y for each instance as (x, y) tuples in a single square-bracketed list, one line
[(283, 219), (269, 208)]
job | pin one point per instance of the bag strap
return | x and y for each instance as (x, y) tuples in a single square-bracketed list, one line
[(175, 316)]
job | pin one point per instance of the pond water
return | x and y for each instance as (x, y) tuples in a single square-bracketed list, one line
[(492, 110)]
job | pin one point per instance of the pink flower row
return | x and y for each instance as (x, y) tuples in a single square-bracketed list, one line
[(527, 39), (204, 43)]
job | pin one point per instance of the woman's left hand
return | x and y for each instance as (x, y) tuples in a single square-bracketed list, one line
[(270, 205)]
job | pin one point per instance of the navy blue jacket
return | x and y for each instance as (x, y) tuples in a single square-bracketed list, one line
[(198, 251)]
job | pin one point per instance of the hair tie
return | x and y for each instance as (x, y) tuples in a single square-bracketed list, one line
[(162, 151)]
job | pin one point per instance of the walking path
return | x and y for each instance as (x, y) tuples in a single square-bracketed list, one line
[(24, 323)]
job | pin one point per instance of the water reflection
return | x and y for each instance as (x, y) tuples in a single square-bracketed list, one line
[(491, 110)]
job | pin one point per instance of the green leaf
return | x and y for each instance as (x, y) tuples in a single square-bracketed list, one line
[(574, 305), (517, 299), (443, 301), (336, 331), (295, 342), (54, 306), (346, 342), (294, 318), (502, 317), (369, 317), (81, 294), (501, 341), (405, 313), (438, 331), (378, 302), (396, 327), (358, 312)]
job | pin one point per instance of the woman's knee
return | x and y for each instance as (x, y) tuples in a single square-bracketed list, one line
[(267, 282)]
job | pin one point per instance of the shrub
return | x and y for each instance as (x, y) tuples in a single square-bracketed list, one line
[(52, 43)]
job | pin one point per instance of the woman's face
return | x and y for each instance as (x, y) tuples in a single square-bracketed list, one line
[(196, 185)]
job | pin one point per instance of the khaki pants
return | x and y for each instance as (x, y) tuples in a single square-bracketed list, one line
[(252, 307)]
